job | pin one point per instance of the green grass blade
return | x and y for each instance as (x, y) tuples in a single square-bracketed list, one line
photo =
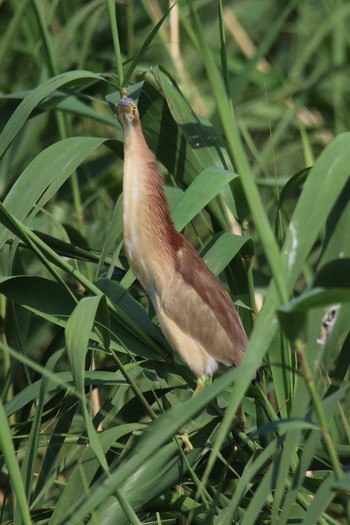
[(331, 168), (111, 7), (31, 451), (37, 184), (33, 99), (144, 47), (230, 126), (6, 444), (78, 329), (162, 430), (201, 191)]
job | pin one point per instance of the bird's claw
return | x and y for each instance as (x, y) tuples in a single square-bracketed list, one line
[(186, 441)]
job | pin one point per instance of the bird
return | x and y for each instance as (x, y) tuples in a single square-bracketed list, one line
[(194, 310)]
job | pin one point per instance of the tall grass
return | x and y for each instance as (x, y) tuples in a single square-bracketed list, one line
[(248, 121)]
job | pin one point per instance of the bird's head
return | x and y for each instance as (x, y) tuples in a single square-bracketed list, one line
[(126, 112)]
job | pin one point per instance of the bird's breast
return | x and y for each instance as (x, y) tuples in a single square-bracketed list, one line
[(145, 247), (135, 228)]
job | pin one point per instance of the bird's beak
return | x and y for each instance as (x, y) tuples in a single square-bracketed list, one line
[(126, 111)]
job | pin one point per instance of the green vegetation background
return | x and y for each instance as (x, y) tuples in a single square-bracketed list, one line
[(245, 104)]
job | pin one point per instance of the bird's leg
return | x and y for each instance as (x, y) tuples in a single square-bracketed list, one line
[(186, 440), (183, 432), (200, 385)]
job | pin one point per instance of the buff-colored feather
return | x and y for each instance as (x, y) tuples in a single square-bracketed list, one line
[(194, 310)]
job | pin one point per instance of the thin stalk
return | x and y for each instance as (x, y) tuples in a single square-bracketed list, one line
[(49, 55), (129, 512), (41, 370), (305, 502), (320, 414), (7, 386), (232, 224), (134, 387), (339, 47), (9, 33), (20, 502), (255, 203), (111, 6), (251, 289), (236, 149), (130, 27), (60, 117), (223, 54)]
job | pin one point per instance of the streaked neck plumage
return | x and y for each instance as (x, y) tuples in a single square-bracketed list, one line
[(150, 238)]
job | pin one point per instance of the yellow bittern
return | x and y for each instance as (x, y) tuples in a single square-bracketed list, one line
[(195, 311)]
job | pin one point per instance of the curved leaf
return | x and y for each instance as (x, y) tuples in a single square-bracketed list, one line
[(37, 184), (34, 98), (78, 329)]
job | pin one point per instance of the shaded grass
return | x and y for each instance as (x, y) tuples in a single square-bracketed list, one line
[(59, 178)]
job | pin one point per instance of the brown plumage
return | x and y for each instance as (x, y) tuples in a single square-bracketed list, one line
[(194, 310)]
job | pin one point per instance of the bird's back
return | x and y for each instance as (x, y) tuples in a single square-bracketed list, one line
[(197, 315)]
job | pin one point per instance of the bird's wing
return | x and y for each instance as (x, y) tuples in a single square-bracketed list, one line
[(198, 304)]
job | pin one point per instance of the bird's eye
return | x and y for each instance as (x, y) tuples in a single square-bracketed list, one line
[(133, 108)]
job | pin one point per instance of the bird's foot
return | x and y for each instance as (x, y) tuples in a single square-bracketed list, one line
[(186, 441), (239, 421), (201, 382)]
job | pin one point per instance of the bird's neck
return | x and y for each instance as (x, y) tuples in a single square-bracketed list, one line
[(150, 238)]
